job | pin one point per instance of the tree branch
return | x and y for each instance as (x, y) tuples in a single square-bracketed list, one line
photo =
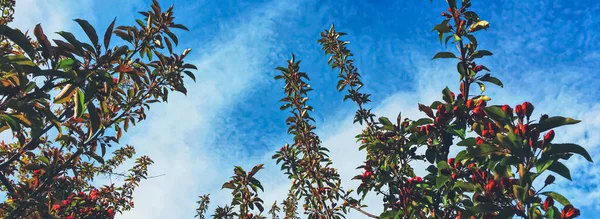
[(364, 212)]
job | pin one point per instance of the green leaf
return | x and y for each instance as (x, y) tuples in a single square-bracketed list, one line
[(44, 159), (73, 41), (173, 37), (108, 33), (89, 31), (481, 86), (66, 63), (96, 157), (469, 15), (19, 38), (496, 112), (422, 121), (511, 160), (490, 79), (484, 207), (94, 119), (561, 169), (457, 38), (427, 110), (466, 186), (479, 25), (442, 27), (239, 171), (21, 60), (430, 155), (180, 26), (460, 67), (190, 74), (460, 132), (550, 213), (447, 95), (569, 148), (441, 180), (256, 168), (444, 55), (555, 121), (480, 54), (259, 206), (387, 125), (543, 164), (557, 197), (519, 192), (78, 99), (228, 185), (467, 142), (10, 121)]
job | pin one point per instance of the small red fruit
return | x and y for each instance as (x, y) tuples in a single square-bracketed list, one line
[(478, 68), (479, 140), (548, 137), (478, 112), (507, 110), (527, 108), (451, 162), (470, 104), (482, 103), (490, 186), (569, 212), (519, 111)]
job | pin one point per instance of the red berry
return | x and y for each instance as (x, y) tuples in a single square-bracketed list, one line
[(507, 110), (519, 111), (490, 186), (451, 162), (470, 104), (527, 108), (482, 103), (478, 68), (548, 137), (479, 141), (549, 202), (569, 212), (478, 112)]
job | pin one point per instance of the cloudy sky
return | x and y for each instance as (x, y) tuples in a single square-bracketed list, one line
[(546, 52)]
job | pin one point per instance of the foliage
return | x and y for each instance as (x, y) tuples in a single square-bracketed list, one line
[(65, 102), (504, 150)]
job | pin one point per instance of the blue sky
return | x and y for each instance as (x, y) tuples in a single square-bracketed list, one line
[(546, 52)]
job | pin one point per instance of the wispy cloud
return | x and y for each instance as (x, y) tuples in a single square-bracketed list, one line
[(544, 52), (179, 135)]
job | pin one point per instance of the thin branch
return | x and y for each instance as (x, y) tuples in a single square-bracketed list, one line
[(364, 212)]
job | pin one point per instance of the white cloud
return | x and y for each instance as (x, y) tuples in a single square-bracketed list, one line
[(178, 135)]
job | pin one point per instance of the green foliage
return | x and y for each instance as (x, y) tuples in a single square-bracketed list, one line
[(61, 137), (492, 176)]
